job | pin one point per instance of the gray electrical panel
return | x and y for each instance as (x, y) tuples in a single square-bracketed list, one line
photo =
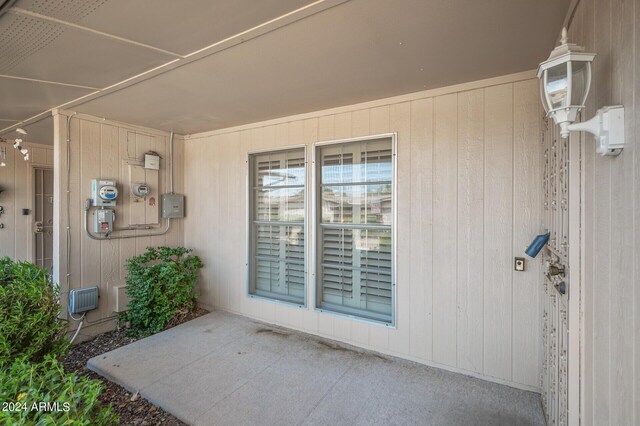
[(83, 299), (172, 206)]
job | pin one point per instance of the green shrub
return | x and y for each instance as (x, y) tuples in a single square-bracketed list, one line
[(161, 283), (72, 400), (29, 313)]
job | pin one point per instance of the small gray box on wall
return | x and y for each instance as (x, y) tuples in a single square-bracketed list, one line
[(172, 206), (83, 299)]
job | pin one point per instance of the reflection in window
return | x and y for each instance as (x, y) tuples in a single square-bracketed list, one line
[(277, 240), (355, 210)]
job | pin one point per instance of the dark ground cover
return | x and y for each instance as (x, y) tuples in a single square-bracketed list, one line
[(132, 410)]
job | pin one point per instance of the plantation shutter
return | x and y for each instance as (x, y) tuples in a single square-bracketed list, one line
[(277, 237), (354, 230)]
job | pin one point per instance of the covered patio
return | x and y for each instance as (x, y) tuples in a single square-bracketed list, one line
[(394, 212), (227, 369)]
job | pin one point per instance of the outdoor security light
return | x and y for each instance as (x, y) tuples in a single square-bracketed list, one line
[(565, 79), (17, 144)]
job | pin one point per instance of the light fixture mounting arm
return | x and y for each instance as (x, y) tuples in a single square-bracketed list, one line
[(607, 126)]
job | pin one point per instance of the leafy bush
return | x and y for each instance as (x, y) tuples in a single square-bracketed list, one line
[(29, 313), (161, 284), (59, 398)]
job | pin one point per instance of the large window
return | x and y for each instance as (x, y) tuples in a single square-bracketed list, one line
[(354, 264), (277, 225)]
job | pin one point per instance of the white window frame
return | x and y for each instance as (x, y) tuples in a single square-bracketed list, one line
[(314, 234), (249, 223)]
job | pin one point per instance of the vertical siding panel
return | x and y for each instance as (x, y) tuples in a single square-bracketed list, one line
[(444, 229), (526, 224), (622, 249), (224, 277), (602, 231), (470, 229), (218, 184), (211, 174), (498, 234), (400, 122), (90, 169), (421, 228), (109, 253), (379, 116), (202, 181), (236, 219), (588, 300)]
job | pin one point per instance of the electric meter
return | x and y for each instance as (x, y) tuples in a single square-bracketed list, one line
[(141, 190), (104, 193)]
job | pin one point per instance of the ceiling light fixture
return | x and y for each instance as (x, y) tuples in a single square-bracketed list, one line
[(17, 144), (565, 79)]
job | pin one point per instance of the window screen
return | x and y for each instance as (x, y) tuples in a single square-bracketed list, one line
[(355, 216), (277, 215)]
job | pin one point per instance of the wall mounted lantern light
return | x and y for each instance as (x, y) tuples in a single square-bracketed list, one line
[(565, 79)]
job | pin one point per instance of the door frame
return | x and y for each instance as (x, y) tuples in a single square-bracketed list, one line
[(31, 206)]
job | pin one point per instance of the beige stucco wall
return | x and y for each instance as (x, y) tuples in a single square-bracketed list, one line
[(468, 188)]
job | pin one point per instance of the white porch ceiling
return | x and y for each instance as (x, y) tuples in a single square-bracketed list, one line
[(197, 65)]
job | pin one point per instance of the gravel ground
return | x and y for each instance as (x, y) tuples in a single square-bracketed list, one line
[(132, 410)]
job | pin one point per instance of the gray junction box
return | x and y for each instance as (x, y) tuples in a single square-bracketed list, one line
[(172, 206)]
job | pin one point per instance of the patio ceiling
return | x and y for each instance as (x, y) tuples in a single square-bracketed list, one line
[(199, 65)]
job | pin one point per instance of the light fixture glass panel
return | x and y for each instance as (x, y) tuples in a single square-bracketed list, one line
[(579, 82), (557, 86), (543, 95)]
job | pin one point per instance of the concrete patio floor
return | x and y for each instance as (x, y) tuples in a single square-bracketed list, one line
[(225, 369)]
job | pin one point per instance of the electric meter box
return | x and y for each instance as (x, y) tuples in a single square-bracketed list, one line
[(104, 219), (172, 206), (104, 193)]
